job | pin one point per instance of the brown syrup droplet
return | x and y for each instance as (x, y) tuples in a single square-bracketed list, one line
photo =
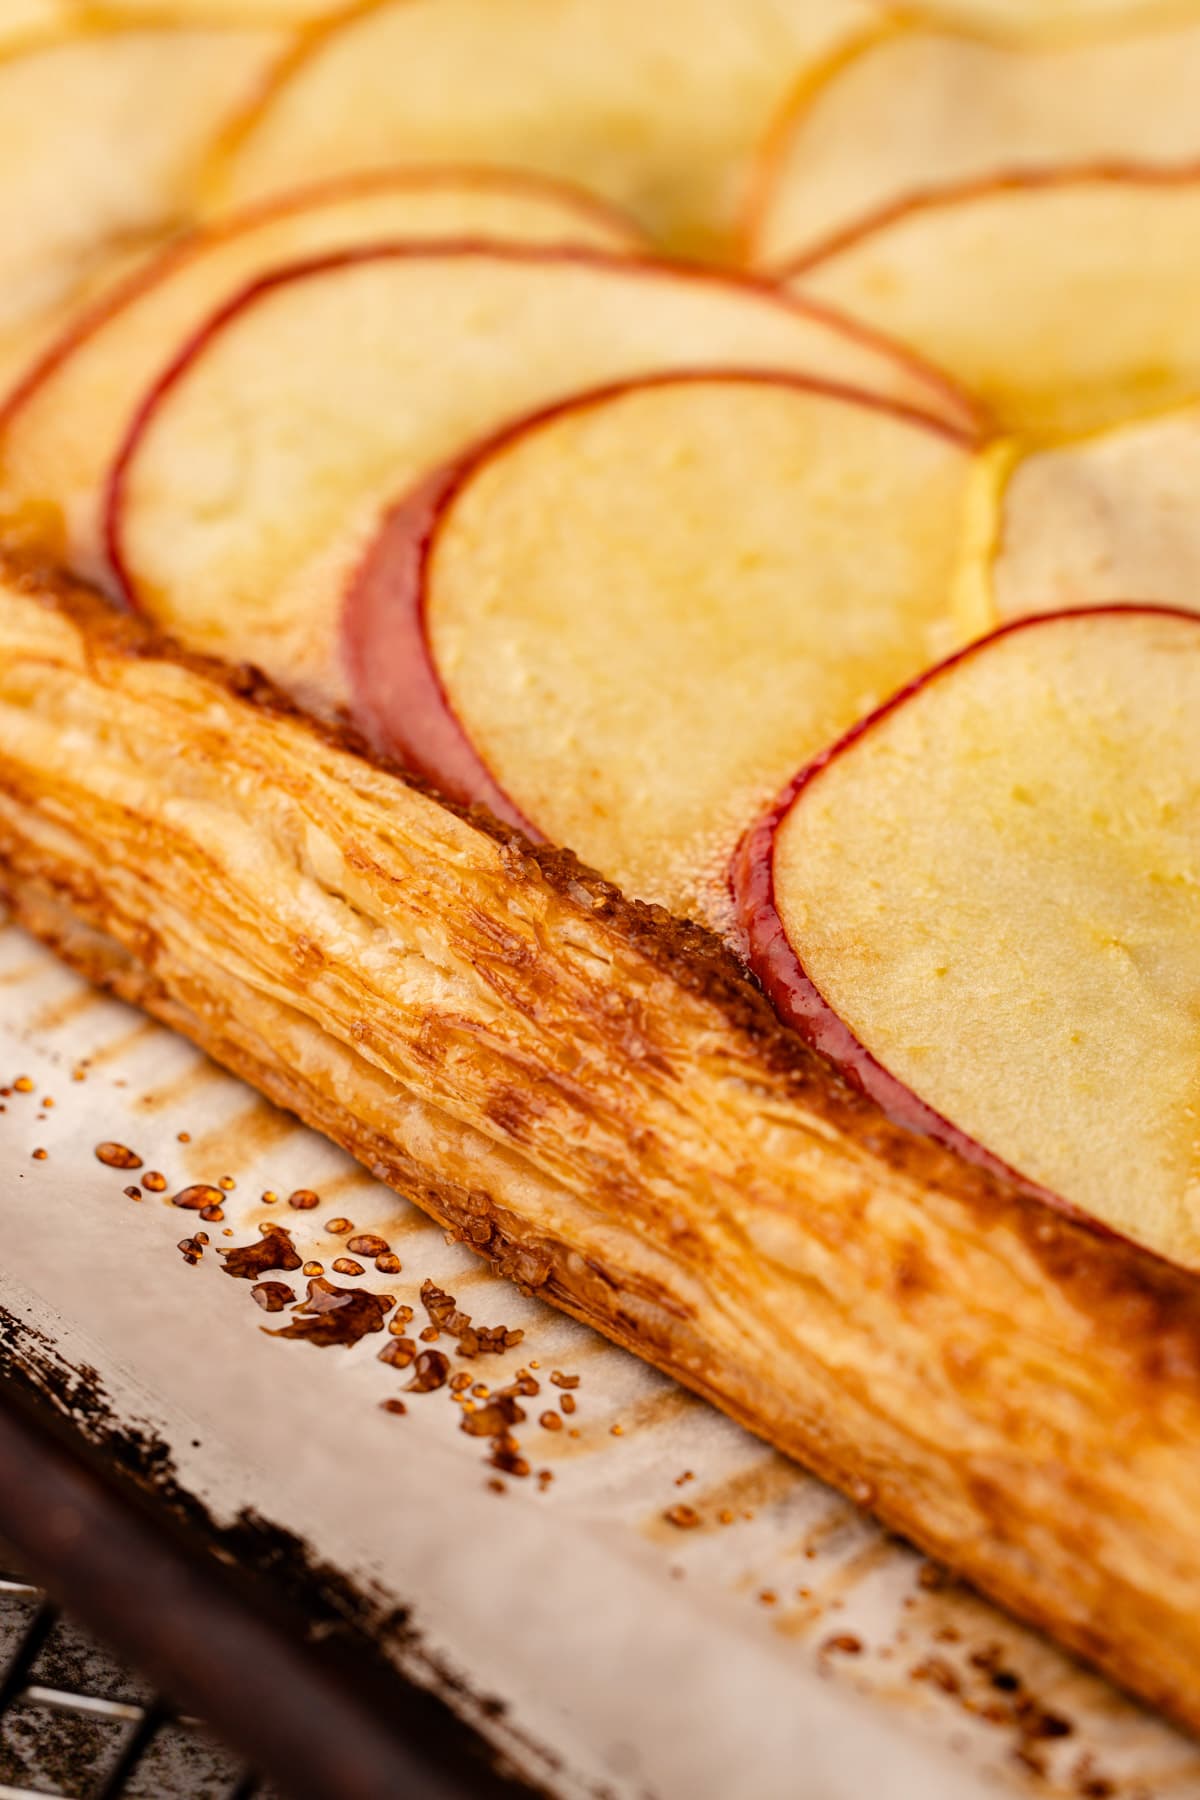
[(22, 1085), (507, 1456), (155, 1181), (429, 1372), (314, 1268), (40, 1155), (346, 1265), (685, 1517), (192, 1250), (134, 1193), (304, 1200), (333, 1315), (393, 1406), (368, 1243), (559, 1380), (117, 1156), (844, 1643), (494, 1419), (473, 1340), (274, 1250), (399, 1353), (338, 1227), (197, 1197), (389, 1263), (227, 1184), (567, 1402), (550, 1421), (273, 1296)]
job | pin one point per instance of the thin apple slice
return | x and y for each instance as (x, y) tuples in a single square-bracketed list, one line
[(1065, 303), (624, 621), (258, 470), (1099, 519), (70, 199), (23, 21), (917, 112), (985, 905), (656, 106), (62, 429)]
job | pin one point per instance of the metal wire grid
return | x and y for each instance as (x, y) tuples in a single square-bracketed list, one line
[(74, 1723)]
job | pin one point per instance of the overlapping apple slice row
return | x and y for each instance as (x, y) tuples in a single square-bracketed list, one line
[(69, 203), (257, 472), (655, 106), (984, 904), (1064, 302), (910, 113), (63, 425), (622, 623)]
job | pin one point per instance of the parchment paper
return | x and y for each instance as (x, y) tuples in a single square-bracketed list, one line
[(769, 1640)]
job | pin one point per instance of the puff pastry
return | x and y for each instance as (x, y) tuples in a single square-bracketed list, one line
[(595, 1097)]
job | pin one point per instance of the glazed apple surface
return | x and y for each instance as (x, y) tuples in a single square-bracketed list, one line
[(63, 426), (985, 905), (624, 622), (1109, 515), (68, 204), (656, 107), (913, 112), (257, 473), (1063, 303)]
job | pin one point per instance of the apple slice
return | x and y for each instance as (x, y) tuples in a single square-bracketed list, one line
[(257, 472), (623, 622), (23, 21), (1095, 520), (656, 106), (62, 429), (915, 112), (68, 201), (984, 904), (1065, 303)]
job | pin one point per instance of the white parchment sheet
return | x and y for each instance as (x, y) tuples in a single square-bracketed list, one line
[(768, 1640)]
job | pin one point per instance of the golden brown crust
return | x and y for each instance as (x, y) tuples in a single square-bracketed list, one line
[(597, 1098)]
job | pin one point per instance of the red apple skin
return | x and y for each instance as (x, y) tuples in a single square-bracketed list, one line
[(300, 199), (961, 413), (973, 186), (399, 699), (792, 991)]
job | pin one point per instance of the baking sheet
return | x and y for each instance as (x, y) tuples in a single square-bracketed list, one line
[(659, 1607)]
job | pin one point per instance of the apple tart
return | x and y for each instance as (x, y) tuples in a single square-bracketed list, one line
[(386, 506), (595, 1096)]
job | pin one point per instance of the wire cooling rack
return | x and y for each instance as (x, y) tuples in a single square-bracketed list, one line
[(75, 1723)]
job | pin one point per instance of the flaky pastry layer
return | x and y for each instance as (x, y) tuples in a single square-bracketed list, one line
[(597, 1099)]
